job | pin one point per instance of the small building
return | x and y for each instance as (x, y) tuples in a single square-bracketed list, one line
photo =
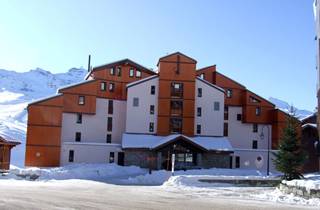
[(5, 152), (310, 143)]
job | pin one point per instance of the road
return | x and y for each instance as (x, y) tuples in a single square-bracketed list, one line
[(77, 194)]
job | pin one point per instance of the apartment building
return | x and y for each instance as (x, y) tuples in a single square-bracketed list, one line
[(127, 114)]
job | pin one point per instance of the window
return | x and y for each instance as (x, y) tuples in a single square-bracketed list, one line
[(131, 72), (119, 71), (111, 157), (255, 128), (254, 100), (254, 144), (71, 156), (103, 86), (109, 126), (237, 162), (175, 125), (112, 71), (176, 89), (258, 111), (239, 117), (198, 129), (153, 90), (110, 107), (199, 92), (202, 76), (138, 73), (108, 138), (229, 93), (78, 136), (216, 106), (199, 111), (135, 102), (225, 129), (151, 127), (111, 87), (81, 100), (226, 112), (79, 118), (151, 109), (176, 107)]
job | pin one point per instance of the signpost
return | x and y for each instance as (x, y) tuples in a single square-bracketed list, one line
[(172, 163)]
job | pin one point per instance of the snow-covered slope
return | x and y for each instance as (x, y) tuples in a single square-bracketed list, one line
[(284, 106), (19, 89)]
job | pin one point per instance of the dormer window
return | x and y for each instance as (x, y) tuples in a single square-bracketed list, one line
[(254, 100), (138, 73), (131, 72), (229, 93), (119, 71), (202, 76), (112, 71)]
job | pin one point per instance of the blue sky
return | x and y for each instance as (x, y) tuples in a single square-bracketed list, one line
[(267, 45)]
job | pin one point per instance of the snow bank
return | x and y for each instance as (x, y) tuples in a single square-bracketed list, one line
[(79, 171), (311, 182)]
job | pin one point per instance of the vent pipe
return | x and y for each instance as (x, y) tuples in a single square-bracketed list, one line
[(89, 63)]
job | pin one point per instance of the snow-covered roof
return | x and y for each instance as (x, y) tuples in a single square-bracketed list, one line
[(44, 99), (75, 84), (141, 80), (144, 141), (309, 125)]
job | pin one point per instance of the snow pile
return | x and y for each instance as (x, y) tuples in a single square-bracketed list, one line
[(97, 172), (311, 182)]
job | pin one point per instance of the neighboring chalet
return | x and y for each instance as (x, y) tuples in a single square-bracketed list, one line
[(5, 152), (310, 143), (128, 114)]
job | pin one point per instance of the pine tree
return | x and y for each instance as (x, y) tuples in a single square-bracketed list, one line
[(290, 156)]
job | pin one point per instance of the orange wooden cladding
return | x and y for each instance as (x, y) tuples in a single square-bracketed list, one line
[(44, 115), (179, 69), (42, 156), (208, 73), (40, 135), (71, 104)]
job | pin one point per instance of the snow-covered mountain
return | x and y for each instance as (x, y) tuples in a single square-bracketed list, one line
[(284, 106), (19, 89)]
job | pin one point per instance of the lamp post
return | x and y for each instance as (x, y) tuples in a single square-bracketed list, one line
[(268, 154)]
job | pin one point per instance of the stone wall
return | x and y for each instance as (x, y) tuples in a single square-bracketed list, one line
[(299, 191), (141, 158), (214, 160)]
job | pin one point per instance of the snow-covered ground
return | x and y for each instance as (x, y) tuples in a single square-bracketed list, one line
[(311, 182), (183, 181)]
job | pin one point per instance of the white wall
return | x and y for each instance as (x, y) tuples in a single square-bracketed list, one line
[(241, 135), (248, 159), (94, 127), (88, 152), (211, 121), (138, 118)]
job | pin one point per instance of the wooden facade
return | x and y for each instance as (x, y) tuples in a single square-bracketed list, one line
[(5, 152)]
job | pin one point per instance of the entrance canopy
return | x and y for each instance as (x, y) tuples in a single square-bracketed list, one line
[(3, 141), (153, 142)]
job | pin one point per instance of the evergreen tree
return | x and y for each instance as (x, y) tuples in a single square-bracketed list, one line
[(290, 156)]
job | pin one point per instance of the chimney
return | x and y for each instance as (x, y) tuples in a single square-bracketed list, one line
[(89, 63)]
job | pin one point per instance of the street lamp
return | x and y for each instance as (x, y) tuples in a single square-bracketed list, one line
[(268, 154)]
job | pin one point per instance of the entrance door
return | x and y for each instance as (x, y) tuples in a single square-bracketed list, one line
[(121, 158)]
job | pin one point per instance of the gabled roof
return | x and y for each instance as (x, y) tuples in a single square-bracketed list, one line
[(141, 81), (211, 85), (3, 141), (151, 142), (44, 99), (177, 53), (121, 62)]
